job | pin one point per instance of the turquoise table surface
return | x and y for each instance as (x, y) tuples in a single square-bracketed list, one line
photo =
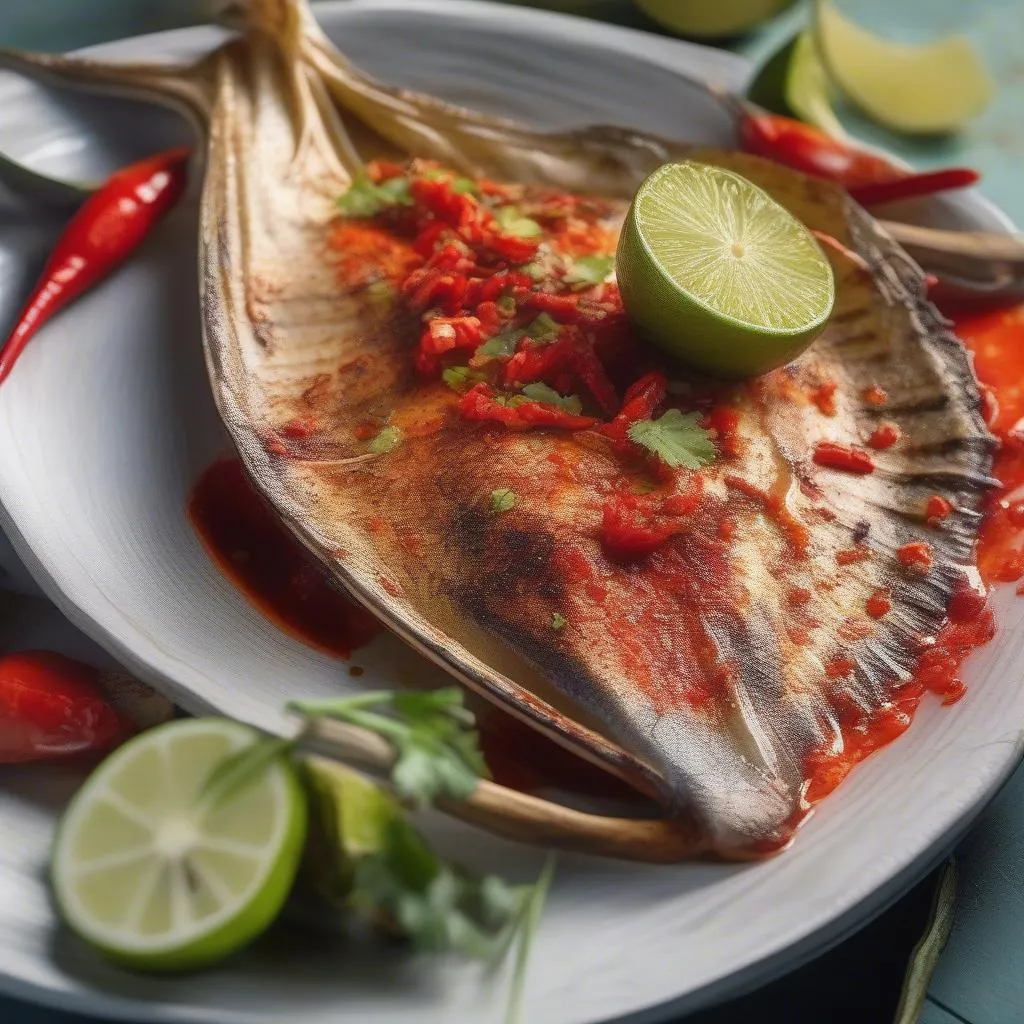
[(980, 978)]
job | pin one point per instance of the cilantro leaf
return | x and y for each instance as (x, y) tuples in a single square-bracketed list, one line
[(512, 222), (676, 438), (590, 270), (557, 622), (542, 393), (387, 440), (543, 328), (437, 750), (502, 499), (503, 344), (365, 199)]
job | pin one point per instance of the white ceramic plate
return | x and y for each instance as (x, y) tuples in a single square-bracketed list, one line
[(107, 421)]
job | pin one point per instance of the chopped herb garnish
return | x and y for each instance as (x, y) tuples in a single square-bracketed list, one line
[(364, 855), (557, 621), (543, 328), (503, 344), (502, 499), (676, 438), (590, 270), (388, 439), (512, 222), (543, 393), (365, 199), (464, 186), (437, 751), (459, 378), (381, 292)]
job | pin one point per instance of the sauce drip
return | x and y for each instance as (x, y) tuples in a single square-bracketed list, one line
[(273, 570), (996, 340), (284, 582)]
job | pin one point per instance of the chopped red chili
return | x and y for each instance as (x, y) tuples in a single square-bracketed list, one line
[(917, 556), (845, 458), (482, 403), (875, 395), (878, 604), (884, 436), (937, 509), (824, 397)]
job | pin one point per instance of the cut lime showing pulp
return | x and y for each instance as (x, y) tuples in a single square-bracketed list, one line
[(155, 874), (917, 89), (720, 275)]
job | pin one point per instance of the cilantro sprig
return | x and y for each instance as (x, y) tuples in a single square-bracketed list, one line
[(437, 751), (365, 856), (677, 438)]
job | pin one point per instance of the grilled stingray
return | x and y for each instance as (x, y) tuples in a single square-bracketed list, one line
[(711, 673)]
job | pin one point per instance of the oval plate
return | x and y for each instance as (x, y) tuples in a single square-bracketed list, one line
[(113, 420)]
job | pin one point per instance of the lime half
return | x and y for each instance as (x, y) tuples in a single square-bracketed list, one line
[(916, 89), (159, 877), (719, 274)]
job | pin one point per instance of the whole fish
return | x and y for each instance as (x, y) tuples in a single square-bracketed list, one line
[(729, 638)]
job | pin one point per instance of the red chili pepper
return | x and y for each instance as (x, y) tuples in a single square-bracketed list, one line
[(913, 185), (109, 226), (51, 706), (868, 177)]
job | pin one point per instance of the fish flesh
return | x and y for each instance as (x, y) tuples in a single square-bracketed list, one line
[(724, 670)]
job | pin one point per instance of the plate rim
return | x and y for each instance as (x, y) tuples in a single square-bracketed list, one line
[(750, 973)]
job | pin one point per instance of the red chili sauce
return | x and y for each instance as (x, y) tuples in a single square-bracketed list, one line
[(996, 340), (274, 571)]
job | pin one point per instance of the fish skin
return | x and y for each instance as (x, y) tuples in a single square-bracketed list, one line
[(408, 533)]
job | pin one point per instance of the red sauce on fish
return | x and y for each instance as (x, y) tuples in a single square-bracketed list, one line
[(996, 339), (274, 571), (251, 547)]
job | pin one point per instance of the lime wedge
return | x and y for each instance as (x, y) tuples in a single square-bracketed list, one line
[(158, 876), (719, 274), (711, 18), (793, 83), (916, 89)]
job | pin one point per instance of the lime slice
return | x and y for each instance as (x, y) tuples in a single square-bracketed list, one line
[(711, 18), (793, 83), (159, 877), (719, 274), (915, 89)]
